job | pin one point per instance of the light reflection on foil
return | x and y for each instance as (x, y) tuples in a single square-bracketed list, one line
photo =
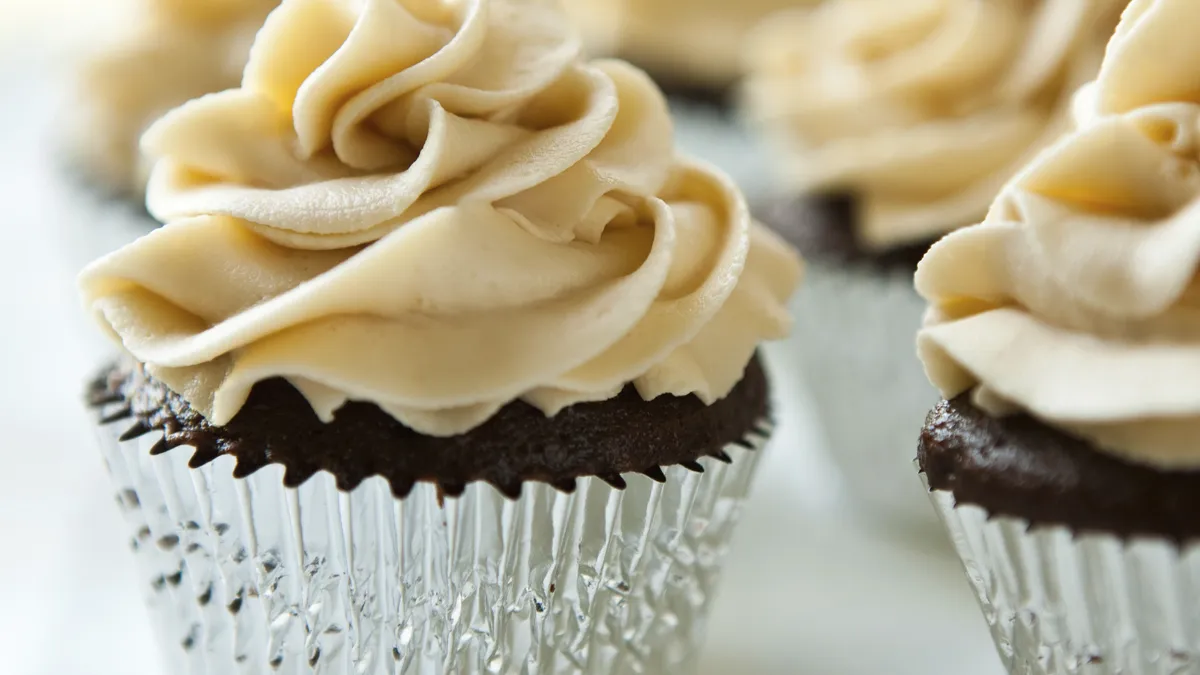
[(1058, 603), (247, 576)]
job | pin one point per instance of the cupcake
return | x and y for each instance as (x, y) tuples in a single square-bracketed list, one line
[(166, 53), (444, 361), (898, 122), (1065, 459), (692, 48)]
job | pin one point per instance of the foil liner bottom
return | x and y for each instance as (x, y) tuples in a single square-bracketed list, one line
[(856, 353), (247, 576), (1061, 603)]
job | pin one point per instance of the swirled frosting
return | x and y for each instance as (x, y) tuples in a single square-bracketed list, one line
[(691, 41), (923, 108), (168, 52), (1077, 299), (439, 208)]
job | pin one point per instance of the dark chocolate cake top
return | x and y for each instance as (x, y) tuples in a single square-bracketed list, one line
[(822, 227), (1020, 467), (519, 444)]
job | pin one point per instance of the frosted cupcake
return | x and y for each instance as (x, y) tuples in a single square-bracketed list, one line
[(444, 361), (168, 52), (896, 123), (1063, 331), (693, 48)]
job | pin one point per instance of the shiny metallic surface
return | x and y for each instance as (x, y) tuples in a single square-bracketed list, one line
[(247, 576), (1058, 603)]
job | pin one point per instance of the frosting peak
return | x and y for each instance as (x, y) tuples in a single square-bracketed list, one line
[(440, 208), (923, 108), (1077, 298), (343, 129)]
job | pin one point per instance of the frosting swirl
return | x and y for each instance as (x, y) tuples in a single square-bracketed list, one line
[(1077, 299), (695, 41), (168, 52), (924, 108), (439, 208)]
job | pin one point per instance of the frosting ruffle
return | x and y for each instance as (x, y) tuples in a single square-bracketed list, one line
[(439, 208), (1077, 299), (694, 42), (922, 109), (169, 51)]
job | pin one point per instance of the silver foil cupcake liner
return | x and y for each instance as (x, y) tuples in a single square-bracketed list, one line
[(248, 576), (856, 353), (1061, 603)]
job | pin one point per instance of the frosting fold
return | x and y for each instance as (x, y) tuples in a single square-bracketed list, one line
[(923, 109), (1077, 299), (439, 224)]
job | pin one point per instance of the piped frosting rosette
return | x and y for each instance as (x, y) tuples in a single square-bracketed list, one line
[(1077, 299), (165, 53), (439, 208), (922, 109)]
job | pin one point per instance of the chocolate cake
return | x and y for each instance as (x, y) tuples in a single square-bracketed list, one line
[(716, 97), (520, 443), (468, 303), (821, 226), (1017, 466)]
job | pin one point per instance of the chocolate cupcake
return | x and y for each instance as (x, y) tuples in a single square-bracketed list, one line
[(1062, 332), (444, 360), (166, 53), (896, 123), (692, 48)]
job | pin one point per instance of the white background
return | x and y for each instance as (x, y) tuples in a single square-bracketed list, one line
[(809, 589)]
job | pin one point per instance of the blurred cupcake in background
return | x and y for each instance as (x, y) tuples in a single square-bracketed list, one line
[(897, 122), (1064, 332), (692, 48), (164, 53), (446, 362)]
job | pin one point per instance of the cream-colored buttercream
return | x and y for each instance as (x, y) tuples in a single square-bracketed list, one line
[(166, 53), (1077, 299), (922, 108), (439, 208), (695, 42)]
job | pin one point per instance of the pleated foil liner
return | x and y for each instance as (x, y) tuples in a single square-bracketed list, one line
[(1058, 603), (247, 576), (856, 352)]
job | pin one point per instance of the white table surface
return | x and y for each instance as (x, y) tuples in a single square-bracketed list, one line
[(808, 588)]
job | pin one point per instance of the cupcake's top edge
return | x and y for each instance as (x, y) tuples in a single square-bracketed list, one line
[(1075, 299), (924, 109), (1019, 467), (604, 440), (440, 224)]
